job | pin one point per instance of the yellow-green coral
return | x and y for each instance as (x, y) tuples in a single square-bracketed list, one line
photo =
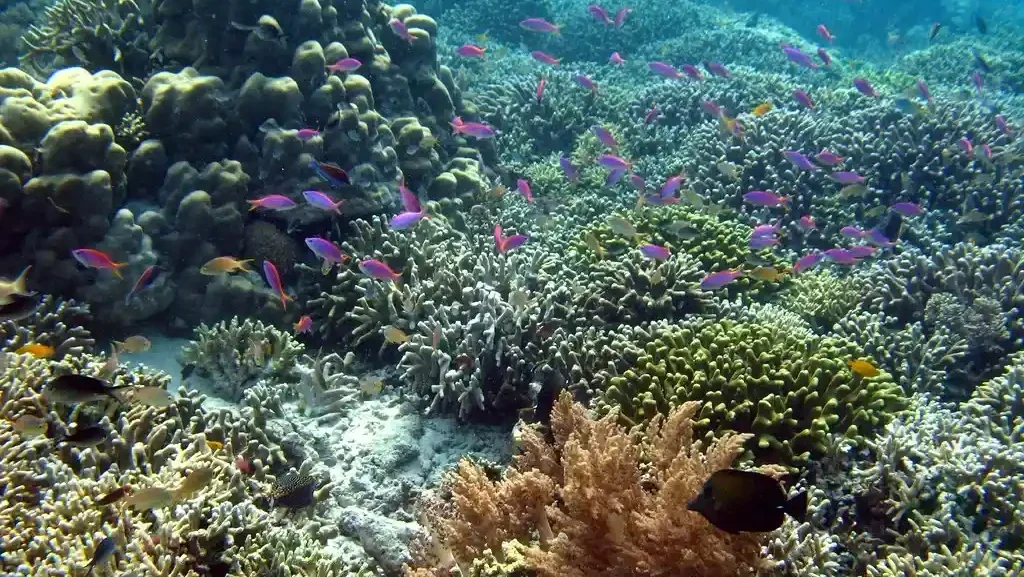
[(821, 297), (791, 390)]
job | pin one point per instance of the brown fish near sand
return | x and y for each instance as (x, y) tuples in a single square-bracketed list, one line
[(76, 389), (738, 501)]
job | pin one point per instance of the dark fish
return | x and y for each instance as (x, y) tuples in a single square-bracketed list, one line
[(103, 552), (935, 30), (893, 226), (744, 501), (335, 176), (76, 389), (86, 436), (982, 25), (113, 496), (293, 491), (20, 307), (186, 371), (980, 61)]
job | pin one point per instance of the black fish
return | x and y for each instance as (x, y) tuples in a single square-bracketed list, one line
[(293, 491), (980, 61), (20, 307), (103, 552), (113, 496), (982, 25), (744, 501), (76, 389), (86, 436), (186, 371), (935, 30), (893, 226)]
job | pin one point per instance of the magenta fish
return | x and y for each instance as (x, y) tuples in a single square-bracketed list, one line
[(827, 158), (523, 187), (799, 160), (847, 177), (965, 144), (599, 14), (604, 136), (654, 251), (922, 89), (664, 70), (825, 58), (586, 82), (807, 261), (305, 134), (907, 209), (864, 87), (692, 72), (326, 250), (271, 202), (672, 184), (717, 69), (345, 65), (765, 198), (651, 114), (840, 256), (861, 251), (851, 232), (507, 243), (803, 98), (410, 202), (400, 29), (322, 201), (717, 280), (978, 81), (539, 93), (406, 220), (274, 280), (612, 162), (378, 270), (544, 58), (570, 171), (539, 25), (763, 242), (620, 16), (765, 230), (1003, 126), (824, 32), (878, 238), (614, 176), (807, 223), (711, 107), (616, 59), (986, 151), (470, 51), (474, 129), (638, 182), (145, 280), (796, 56)]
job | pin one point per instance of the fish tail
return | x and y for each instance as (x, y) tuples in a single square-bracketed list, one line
[(19, 283), (797, 506), (115, 268), (253, 204), (242, 265)]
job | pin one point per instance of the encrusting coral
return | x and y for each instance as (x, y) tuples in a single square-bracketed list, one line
[(600, 502)]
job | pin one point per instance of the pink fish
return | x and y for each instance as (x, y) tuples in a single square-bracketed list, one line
[(523, 187), (798, 57), (851, 232), (907, 209), (378, 270), (826, 158), (613, 162), (986, 151), (922, 89), (825, 58), (864, 87), (824, 32), (540, 89), (965, 145), (717, 69), (717, 280), (304, 325), (672, 184), (507, 243), (604, 136), (144, 281), (861, 251), (655, 252), (322, 201), (803, 98), (878, 238), (474, 129), (638, 182), (274, 280), (616, 59), (765, 230), (305, 134), (470, 51), (807, 261), (400, 29), (657, 200), (97, 259), (1003, 126), (665, 70), (599, 14), (978, 81), (545, 58), (712, 108), (614, 176), (765, 198), (620, 16), (345, 65), (840, 256), (586, 82), (846, 177), (807, 223), (326, 250), (410, 202), (406, 220), (539, 25), (570, 171), (272, 202), (762, 242), (651, 114), (799, 160), (692, 72)]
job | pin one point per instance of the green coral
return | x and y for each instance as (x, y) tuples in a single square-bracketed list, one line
[(821, 297), (791, 390)]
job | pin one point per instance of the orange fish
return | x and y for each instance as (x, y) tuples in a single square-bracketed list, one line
[(863, 368), (224, 265), (36, 350), (305, 324), (762, 109)]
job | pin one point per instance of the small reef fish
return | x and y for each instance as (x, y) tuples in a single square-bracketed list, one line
[(194, 482), (544, 58), (864, 87), (664, 70), (846, 177), (595, 245), (539, 93), (378, 270), (717, 69), (599, 14), (76, 389), (505, 244), (767, 273), (474, 129), (973, 216), (803, 98), (326, 250), (762, 109), (672, 184), (305, 134), (88, 436), (728, 170), (978, 81), (841, 256), (863, 368), (824, 56), (638, 182), (762, 242), (20, 307), (97, 259), (395, 335), (540, 25), (113, 496), (145, 280), (800, 160), (824, 32), (682, 229), (612, 162), (334, 175), (523, 188), (470, 51), (293, 491), (150, 498), (111, 365), (244, 465), (717, 280), (738, 501), (712, 108), (798, 57), (274, 280), (614, 176), (604, 136), (807, 262), (655, 252), (828, 158), (620, 16), (907, 209), (856, 190), (765, 198), (224, 265), (922, 90), (303, 325), (616, 59), (320, 200), (692, 72), (571, 172), (861, 251), (370, 385), (150, 396), (934, 30), (104, 550), (400, 29), (1003, 126), (37, 350), (30, 426), (586, 82), (9, 288), (214, 445), (345, 65), (406, 220), (133, 344), (851, 232), (275, 202)]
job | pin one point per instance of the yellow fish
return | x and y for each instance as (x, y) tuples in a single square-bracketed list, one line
[(371, 385), (762, 109), (594, 245), (395, 335), (9, 288), (30, 426), (150, 498), (622, 227), (852, 190), (767, 273), (133, 344), (36, 350), (153, 396), (863, 368), (215, 445), (193, 483), (224, 265)]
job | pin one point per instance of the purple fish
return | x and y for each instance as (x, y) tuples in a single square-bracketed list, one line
[(539, 25), (586, 82), (654, 251), (470, 51), (762, 242), (524, 190), (620, 16), (410, 202), (717, 69), (651, 115), (978, 81), (613, 162), (765, 198), (825, 58), (322, 201), (638, 182), (907, 209), (765, 230), (604, 136), (376, 269), (922, 89), (846, 177), (474, 129), (599, 14), (807, 261), (827, 158), (878, 238), (400, 29), (796, 56), (335, 176), (274, 280), (712, 108), (664, 69), (272, 202), (864, 87), (325, 249), (671, 185), (717, 280), (691, 71), (145, 280), (861, 251), (544, 58), (305, 134), (799, 160), (569, 170), (802, 97), (614, 176), (840, 256), (851, 232), (406, 220), (1003, 126), (345, 65)]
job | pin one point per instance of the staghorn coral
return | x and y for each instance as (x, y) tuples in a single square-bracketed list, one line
[(822, 297), (619, 507), (56, 323)]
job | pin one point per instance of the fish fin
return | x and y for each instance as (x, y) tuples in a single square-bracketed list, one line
[(116, 270), (18, 286), (253, 204), (242, 265), (797, 506)]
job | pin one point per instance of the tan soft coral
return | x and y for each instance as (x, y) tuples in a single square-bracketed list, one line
[(598, 502)]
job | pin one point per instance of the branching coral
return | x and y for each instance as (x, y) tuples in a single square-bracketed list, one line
[(56, 323), (600, 502)]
